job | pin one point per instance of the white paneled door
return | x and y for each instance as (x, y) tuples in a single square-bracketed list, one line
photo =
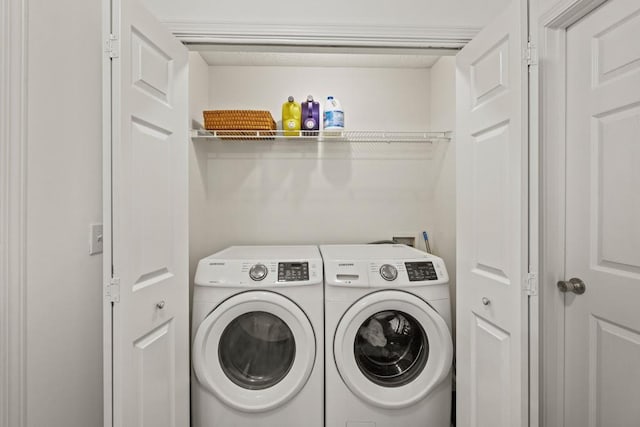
[(492, 242), (146, 263), (602, 325)]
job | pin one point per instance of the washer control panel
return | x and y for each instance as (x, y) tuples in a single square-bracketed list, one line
[(421, 270), (383, 266), (293, 271)]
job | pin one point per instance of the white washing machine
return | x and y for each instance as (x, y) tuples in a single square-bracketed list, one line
[(388, 337), (257, 347)]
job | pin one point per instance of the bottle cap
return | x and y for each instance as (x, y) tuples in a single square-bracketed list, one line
[(291, 99), (309, 98), (329, 97)]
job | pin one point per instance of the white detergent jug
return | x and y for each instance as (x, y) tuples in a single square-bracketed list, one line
[(333, 115)]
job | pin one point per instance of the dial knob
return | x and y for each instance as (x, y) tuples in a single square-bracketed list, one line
[(258, 272), (388, 272)]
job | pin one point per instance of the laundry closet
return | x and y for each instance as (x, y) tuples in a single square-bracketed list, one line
[(379, 178), (391, 173)]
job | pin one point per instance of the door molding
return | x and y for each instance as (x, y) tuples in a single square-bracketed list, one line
[(13, 137), (552, 30), (191, 32)]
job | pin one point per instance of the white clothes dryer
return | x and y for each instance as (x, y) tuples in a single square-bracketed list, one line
[(257, 347), (388, 337)]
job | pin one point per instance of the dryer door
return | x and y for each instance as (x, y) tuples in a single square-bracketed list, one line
[(391, 349), (255, 351)]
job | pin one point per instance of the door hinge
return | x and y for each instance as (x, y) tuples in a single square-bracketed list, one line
[(112, 46), (531, 286), (113, 290), (531, 54)]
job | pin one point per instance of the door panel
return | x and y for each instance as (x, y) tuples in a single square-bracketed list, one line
[(148, 207), (490, 182), (612, 61), (612, 399), (602, 326), (489, 76), (155, 380), (492, 176), (491, 348)]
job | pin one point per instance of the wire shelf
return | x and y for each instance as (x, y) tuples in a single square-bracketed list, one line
[(329, 136)]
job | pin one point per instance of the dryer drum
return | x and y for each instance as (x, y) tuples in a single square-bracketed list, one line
[(391, 348)]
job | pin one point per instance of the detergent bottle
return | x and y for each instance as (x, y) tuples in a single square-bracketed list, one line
[(333, 116), (291, 114), (310, 117)]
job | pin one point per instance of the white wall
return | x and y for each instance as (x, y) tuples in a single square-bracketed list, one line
[(443, 114), (543, 6), (258, 193), (401, 14), (12, 207), (199, 244), (64, 183), (372, 98)]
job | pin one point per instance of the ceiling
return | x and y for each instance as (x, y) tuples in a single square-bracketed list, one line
[(288, 56)]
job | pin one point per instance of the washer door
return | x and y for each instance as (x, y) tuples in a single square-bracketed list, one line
[(255, 351), (391, 349)]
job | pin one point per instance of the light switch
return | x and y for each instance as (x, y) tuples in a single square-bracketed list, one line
[(95, 244)]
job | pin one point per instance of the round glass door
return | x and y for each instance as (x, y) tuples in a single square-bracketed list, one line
[(255, 351), (391, 349)]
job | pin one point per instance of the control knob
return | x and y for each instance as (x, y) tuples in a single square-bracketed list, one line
[(388, 272), (258, 272)]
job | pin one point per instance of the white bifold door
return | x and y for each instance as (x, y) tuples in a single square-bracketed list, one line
[(602, 251), (146, 321), (492, 233)]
